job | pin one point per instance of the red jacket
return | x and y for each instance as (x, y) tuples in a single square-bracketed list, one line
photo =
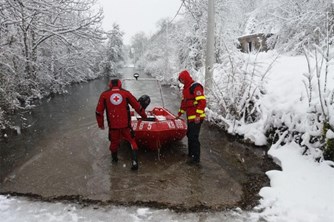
[(193, 102), (116, 103)]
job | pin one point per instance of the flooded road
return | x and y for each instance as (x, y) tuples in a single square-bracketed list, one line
[(64, 156)]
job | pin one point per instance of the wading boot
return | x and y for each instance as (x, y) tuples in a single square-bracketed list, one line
[(193, 161), (114, 157), (134, 160)]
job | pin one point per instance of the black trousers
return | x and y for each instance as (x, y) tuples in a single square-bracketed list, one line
[(194, 146)]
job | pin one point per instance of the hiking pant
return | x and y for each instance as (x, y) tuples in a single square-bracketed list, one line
[(116, 135), (194, 146)]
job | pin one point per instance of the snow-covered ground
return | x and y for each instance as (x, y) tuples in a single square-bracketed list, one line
[(302, 191), (19, 209)]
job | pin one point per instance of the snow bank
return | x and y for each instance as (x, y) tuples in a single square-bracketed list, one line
[(302, 191)]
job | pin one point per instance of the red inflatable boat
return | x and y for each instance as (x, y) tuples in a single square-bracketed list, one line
[(161, 127)]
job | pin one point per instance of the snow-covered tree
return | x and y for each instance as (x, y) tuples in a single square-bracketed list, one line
[(295, 24), (114, 54), (44, 46), (157, 56), (138, 46)]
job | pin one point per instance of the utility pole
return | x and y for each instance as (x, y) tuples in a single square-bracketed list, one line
[(210, 46), (166, 51)]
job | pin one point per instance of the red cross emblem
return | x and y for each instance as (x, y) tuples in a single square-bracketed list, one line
[(116, 98)]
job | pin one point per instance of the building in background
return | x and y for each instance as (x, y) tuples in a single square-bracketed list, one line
[(254, 42)]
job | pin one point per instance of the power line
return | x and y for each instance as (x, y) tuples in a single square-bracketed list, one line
[(192, 14), (178, 11), (168, 23)]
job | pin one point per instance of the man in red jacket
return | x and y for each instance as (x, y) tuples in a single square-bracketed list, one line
[(116, 102), (193, 104)]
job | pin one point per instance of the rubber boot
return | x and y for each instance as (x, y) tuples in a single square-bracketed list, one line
[(134, 160), (114, 157)]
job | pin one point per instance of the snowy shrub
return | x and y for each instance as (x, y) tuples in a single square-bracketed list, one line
[(238, 88), (310, 127), (320, 96), (329, 137)]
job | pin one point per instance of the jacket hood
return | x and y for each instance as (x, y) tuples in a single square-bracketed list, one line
[(115, 83), (185, 78)]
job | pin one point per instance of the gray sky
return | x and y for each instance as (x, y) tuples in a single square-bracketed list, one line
[(134, 16)]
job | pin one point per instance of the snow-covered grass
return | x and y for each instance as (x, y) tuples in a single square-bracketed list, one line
[(303, 191)]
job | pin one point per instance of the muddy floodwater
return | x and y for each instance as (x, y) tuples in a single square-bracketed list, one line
[(64, 156)]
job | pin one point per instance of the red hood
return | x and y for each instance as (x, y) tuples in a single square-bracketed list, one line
[(186, 78)]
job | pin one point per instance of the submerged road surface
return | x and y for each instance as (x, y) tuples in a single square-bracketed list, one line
[(64, 156)]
